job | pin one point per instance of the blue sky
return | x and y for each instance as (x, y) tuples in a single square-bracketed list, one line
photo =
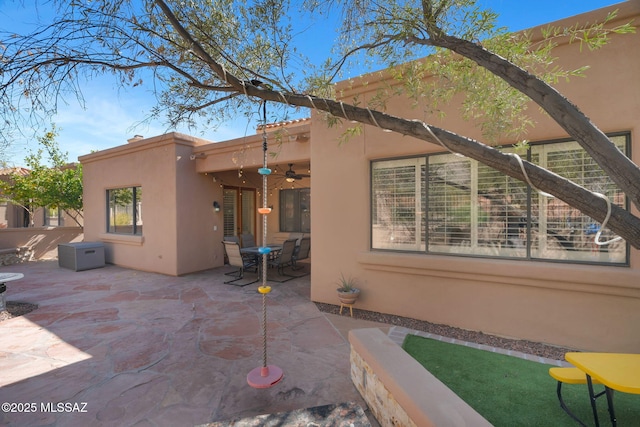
[(112, 115)]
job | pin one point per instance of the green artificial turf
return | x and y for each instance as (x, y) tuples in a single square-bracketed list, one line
[(509, 391)]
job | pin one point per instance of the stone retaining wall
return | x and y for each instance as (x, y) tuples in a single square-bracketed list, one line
[(399, 391), (15, 255)]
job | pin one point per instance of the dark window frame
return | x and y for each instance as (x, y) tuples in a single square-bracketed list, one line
[(296, 214), (59, 218), (135, 228)]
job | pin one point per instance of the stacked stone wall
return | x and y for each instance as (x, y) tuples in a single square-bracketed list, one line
[(15, 255)]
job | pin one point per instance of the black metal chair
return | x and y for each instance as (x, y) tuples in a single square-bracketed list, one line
[(301, 252), (247, 241), (232, 250), (284, 259)]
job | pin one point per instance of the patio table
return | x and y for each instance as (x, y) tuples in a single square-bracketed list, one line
[(4, 278), (255, 252), (616, 371)]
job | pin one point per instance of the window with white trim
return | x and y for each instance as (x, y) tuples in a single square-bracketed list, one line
[(445, 204)]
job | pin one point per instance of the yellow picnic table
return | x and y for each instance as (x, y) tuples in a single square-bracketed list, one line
[(616, 371)]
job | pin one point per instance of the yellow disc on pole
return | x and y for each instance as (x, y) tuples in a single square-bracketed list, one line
[(264, 289)]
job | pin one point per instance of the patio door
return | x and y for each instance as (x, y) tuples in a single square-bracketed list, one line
[(239, 211)]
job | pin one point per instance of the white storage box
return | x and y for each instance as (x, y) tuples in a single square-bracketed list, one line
[(81, 256)]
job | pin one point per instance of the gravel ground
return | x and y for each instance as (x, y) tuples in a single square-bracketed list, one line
[(524, 346), (15, 309)]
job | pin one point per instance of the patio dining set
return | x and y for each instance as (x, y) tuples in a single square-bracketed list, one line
[(243, 254)]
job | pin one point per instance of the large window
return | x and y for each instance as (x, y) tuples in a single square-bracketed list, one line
[(453, 205), (124, 210), (295, 210)]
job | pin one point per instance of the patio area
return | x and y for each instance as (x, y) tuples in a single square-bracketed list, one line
[(124, 347)]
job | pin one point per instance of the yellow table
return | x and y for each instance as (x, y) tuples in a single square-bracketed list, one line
[(616, 371)]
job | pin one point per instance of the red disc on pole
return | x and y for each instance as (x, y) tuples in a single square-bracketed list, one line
[(264, 376)]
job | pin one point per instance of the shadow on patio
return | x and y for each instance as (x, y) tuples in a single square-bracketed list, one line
[(136, 348)]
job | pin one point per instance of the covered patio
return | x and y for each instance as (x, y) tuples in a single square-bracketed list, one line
[(136, 348)]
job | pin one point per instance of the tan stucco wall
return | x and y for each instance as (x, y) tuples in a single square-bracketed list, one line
[(235, 163), (586, 307), (41, 241), (289, 144), (174, 197), (181, 176), (582, 306)]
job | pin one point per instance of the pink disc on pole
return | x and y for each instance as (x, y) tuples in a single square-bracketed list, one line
[(264, 377)]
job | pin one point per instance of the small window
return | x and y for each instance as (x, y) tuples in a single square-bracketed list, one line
[(53, 217), (295, 210), (124, 211)]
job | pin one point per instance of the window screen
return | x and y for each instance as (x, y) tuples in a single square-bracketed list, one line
[(472, 209)]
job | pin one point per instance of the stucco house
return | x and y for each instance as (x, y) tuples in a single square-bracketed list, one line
[(15, 216), (12, 215), (426, 234)]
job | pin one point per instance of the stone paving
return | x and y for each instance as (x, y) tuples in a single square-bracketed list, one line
[(118, 347)]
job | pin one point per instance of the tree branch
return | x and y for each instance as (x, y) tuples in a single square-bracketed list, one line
[(621, 221), (620, 168)]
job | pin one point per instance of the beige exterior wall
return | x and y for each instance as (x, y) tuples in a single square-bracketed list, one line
[(581, 306), (181, 176), (177, 205), (235, 163), (41, 242)]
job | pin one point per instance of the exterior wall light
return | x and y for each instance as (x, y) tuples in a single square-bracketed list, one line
[(216, 206)]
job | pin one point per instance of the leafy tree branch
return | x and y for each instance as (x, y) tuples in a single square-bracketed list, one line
[(216, 58)]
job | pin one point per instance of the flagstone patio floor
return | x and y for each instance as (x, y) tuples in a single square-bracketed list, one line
[(119, 347)]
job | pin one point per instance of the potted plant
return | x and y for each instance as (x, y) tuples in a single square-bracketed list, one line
[(347, 292)]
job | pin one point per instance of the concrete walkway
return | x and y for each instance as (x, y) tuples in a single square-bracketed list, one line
[(119, 347)]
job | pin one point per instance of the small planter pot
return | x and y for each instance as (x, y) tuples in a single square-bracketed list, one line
[(348, 297)]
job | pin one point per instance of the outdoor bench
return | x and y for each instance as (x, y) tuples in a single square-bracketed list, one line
[(9, 251), (569, 375)]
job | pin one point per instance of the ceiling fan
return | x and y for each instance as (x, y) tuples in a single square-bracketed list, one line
[(291, 175)]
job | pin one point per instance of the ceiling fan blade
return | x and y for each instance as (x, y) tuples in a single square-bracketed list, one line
[(293, 175)]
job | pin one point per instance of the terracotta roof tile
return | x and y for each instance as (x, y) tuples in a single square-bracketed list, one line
[(17, 171)]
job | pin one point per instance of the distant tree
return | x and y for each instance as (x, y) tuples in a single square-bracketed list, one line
[(55, 184), (215, 58)]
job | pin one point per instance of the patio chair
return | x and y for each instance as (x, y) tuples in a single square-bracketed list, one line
[(247, 241), (232, 250), (231, 239), (301, 252), (284, 259)]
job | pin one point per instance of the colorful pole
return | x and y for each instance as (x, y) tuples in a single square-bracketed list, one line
[(264, 376)]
